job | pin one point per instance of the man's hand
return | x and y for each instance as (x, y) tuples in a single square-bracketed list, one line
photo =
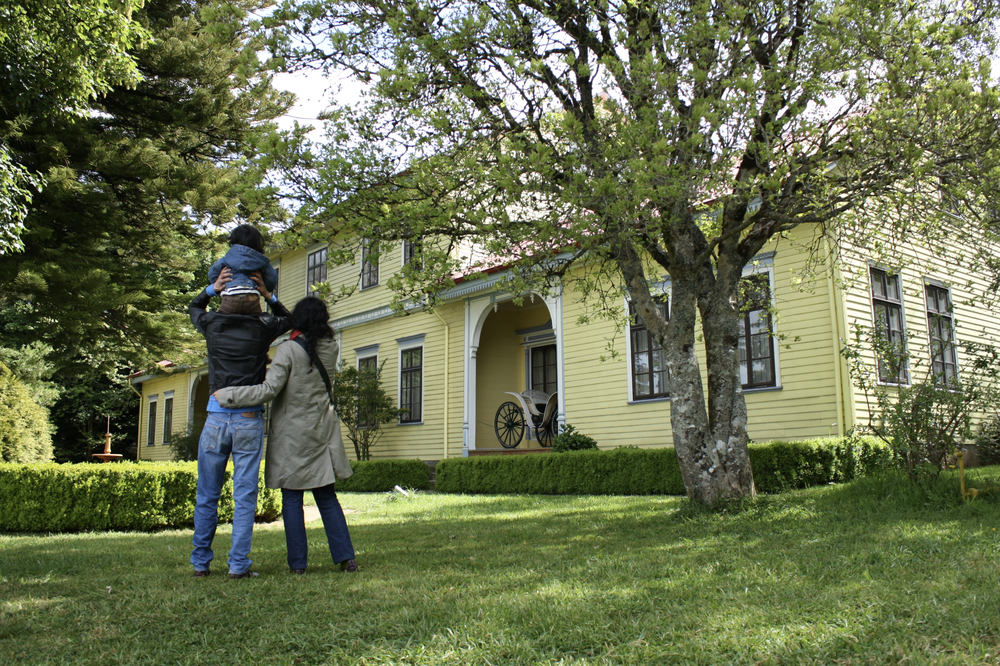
[(225, 277), (259, 281)]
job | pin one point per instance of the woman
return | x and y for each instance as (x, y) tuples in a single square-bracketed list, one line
[(304, 448)]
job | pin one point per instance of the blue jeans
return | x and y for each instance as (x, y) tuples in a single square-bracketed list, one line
[(243, 438), (337, 536)]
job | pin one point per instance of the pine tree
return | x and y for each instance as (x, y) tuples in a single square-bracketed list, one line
[(119, 240)]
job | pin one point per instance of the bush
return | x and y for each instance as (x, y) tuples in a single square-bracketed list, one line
[(382, 475), (988, 441), (25, 434), (185, 447), (571, 440), (777, 466), (110, 496), (616, 472)]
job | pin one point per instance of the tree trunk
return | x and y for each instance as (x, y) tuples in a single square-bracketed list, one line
[(711, 444), (727, 410)]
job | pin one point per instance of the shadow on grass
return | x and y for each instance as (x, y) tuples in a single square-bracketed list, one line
[(815, 576)]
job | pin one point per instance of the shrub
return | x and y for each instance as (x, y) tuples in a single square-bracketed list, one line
[(110, 496), (383, 475), (363, 407), (571, 440), (616, 472), (25, 434), (988, 440), (777, 466), (185, 447)]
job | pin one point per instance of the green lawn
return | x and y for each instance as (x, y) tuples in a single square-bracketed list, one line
[(838, 574)]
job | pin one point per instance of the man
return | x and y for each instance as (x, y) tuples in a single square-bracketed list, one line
[(237, 355)]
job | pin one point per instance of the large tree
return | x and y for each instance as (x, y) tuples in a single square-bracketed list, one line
[(121, 236), (57, 57), (651, 137)]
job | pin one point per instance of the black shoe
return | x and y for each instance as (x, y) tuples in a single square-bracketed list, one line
[(349, 565), (298, 571), (245, 574), (202, 573)]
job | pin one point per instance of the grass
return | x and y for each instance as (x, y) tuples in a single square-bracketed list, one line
[(874, 572)]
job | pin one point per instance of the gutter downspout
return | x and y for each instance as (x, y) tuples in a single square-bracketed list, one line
[(835, 324), (138, 436), (447, 375)]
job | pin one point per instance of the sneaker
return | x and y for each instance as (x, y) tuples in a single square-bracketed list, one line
[(349, 565), (245, 574), (298, 571), (202, 573)]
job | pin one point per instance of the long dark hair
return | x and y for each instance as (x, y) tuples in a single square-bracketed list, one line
[(311, 317)]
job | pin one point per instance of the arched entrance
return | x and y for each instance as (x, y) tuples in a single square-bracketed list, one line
[(514, 348)]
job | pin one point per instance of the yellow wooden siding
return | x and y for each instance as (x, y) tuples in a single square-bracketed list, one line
[(425, 440), (349, 275), (975, 320), (597, 393), (178, 383)]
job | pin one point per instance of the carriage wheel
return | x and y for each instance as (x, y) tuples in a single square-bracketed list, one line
[(547, 434), (509, 425)]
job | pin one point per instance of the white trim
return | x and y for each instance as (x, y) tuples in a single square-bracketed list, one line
[(898, 274), (765, 264), (318, 247), (940, 284), (661, 289), (406, 344)]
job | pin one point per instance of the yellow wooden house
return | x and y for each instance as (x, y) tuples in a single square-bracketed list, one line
[(452, 368)]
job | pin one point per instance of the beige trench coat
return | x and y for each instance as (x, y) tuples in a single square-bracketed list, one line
[(304, 447)]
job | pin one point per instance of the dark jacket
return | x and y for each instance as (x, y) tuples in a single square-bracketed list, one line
[(243, 261), (237, 344)]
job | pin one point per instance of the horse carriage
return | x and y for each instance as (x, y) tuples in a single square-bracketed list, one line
[(533, 409)]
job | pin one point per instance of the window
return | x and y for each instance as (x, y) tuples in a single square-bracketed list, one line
[(756, 345), (940, 325), (367, 364), (887, 305), (315, 270), (543, 369), (411, 252), (168, 416), (151, 422), (411, 384), (369, 266), (649, 367)]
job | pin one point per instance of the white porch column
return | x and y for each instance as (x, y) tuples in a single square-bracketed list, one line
[(554, 303)]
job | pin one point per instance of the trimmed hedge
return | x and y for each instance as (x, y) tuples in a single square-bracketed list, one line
[(777, 466), (381, 475), (111, 496), (614, 472)]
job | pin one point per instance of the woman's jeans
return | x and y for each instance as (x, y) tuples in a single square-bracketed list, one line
[(334, 523), (224, 435)]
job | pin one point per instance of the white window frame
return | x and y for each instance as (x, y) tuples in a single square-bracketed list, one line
[(326, 270), (938, 284), (365, 263), (902, 318), (407, 344), (167, 435), (151, 419), (761, 265), (660, 291)]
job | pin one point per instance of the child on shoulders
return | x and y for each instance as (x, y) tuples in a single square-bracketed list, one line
[(245, 256)]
